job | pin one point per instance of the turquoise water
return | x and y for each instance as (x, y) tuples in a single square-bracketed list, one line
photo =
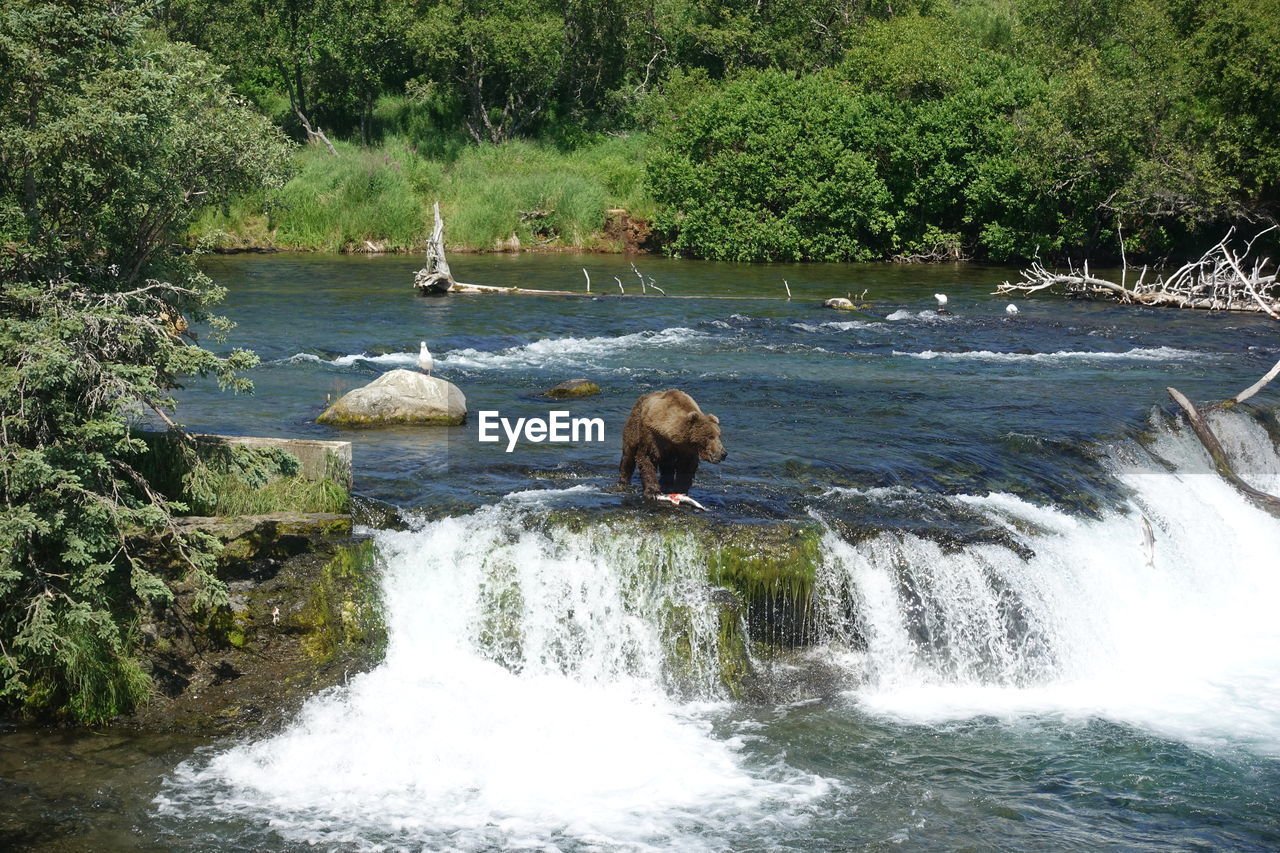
[(809, 398), (1003, 662)]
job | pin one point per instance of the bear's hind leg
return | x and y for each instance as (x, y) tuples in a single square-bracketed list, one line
[(669, 477), (684, 475)]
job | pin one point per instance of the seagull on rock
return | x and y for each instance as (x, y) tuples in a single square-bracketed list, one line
[(942, 302), (1011, 309), (424, 359)]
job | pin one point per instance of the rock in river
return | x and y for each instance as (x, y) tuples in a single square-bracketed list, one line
[(399, 397), (574, 388)]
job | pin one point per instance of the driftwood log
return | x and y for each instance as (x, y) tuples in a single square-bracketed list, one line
[(1221, 462), (1221, 280), (1255, 387), (435, 277)]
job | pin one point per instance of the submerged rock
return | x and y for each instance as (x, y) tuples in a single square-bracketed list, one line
[(572, 388), (839, 303), (399, 397)]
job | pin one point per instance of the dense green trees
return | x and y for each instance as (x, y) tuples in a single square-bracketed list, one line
[(502, 59), (806, 129), (1048, 133), (771, 167), (110, 138), (310, 64)]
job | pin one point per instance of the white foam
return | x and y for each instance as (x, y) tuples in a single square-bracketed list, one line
[(571, 352), (547, 352), (1136, 354), (926, 316), (879, 493), (548, 496), (847, 326), (408, 359), (523, 703), (1186, 645)]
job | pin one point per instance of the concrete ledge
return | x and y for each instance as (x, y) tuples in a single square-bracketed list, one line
[(319, 459)]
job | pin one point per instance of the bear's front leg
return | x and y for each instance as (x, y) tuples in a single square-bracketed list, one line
[(668, 476), (648, 475), (627, 467)]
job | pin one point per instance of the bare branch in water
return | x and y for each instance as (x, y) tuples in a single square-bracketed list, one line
[(1221, 280)]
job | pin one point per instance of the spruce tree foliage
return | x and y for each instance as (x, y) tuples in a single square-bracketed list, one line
[(110, 139)]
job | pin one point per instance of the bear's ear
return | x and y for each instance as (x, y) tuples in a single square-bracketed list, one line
[(693, 416), (713, 419)]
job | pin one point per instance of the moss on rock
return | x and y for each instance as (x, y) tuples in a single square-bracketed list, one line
[(344, 609), (292, 625), (773, 568), (573, 389), (761, 579)]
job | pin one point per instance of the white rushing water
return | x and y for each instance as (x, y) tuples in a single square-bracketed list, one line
[(552, 353), (525, 697), (1178, 636), (1136, 354)]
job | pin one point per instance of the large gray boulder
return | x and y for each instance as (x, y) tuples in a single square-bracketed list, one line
[(399, 397)]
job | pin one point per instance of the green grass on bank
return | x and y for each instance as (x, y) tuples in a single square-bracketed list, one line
[(383, 195), (216, 478)]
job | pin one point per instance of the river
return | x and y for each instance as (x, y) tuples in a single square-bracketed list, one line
[(1018, 668)]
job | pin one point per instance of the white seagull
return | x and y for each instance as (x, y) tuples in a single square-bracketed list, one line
[(942, 302), (1011, 309), (424, 359)]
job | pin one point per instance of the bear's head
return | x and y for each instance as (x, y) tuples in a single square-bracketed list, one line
[(704, 432)]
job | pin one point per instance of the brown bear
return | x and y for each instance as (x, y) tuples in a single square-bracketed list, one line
[(665, 435)]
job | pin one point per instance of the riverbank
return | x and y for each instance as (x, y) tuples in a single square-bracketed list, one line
[(519, 196)]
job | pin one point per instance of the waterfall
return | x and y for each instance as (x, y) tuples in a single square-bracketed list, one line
[(553, 682), (529, 691), (1085, 618)]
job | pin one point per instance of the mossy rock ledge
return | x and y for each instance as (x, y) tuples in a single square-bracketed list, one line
[(399, 397), (304, 614), (762, 579)]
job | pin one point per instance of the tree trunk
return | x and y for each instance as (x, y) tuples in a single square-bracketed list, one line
[(366, 119)]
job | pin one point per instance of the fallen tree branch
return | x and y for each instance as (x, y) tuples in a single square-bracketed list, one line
[(941, 252), (1255, 387), (314, 134), (1218, 281), (1261, 499)]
